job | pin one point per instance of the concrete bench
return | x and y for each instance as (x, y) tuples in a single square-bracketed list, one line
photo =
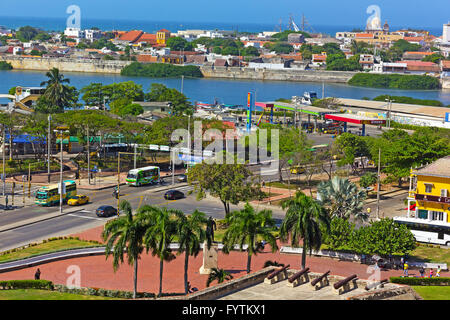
[(346, 285), (298, 278), (321, 281), (277, 275)]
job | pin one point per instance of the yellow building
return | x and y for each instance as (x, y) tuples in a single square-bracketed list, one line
[(429, 190), (162, 36)]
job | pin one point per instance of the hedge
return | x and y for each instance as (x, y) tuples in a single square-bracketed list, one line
[(394, 81), (160, 70), (26, 284), (413, 281)]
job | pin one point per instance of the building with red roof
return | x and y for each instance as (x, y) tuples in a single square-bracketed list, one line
[(130, 36), (420, 66), (148, 38)]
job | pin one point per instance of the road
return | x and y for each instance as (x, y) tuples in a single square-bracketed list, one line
[(77, 219)]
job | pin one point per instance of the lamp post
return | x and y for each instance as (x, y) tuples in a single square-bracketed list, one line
[(48, 148), (61, 131), (118, 178), (3, 152)]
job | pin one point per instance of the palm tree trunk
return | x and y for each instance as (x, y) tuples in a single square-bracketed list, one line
[(303, 256), (161, 265), (135, 277), (186, 262), (249, 262)]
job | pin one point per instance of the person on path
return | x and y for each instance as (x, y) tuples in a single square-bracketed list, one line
[(421, 272), (431, 273), (438, 271), (405, 268), (37, 275)]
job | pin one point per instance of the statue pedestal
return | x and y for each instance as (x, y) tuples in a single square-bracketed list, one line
[(209, 258)]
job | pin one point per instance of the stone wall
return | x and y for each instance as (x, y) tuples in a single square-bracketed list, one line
[(281, 75), (66, 64)]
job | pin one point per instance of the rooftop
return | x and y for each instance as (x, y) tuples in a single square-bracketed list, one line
[(439, 168)]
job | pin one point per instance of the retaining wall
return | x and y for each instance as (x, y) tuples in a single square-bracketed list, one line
[(281, 75), (66, 64)]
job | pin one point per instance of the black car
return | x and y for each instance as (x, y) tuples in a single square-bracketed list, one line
[(106, 211), (173, 195)]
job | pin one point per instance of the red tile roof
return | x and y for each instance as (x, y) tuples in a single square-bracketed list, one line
[(445, 64), (364, 35), (164, 30), (147, 37), (416, 65), (131, 36), (419, 53), (414, 39)]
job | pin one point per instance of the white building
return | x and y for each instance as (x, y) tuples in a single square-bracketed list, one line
[(92, 35), (446, 33), (74, 33), (17, 50)]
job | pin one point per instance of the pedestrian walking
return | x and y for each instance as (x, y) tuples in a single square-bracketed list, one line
[(438, 271), (421, 271), (431, 273), (37, 275), (405, 268)]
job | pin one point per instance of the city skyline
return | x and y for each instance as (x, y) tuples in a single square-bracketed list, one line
[(353, 13)]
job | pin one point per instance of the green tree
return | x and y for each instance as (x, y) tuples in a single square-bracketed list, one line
[(340, 233), (302, 223), (351, 146), (368, 179), (57, 95), (248, 226), (385, 237), (342, 198), (178, 44), (218, 274), (228, 182), (180, 103), (93, 94), (26, 33), (160, 228), (124, 234), (191, 233), (435, 58)]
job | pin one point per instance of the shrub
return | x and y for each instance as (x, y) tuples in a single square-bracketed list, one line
[(160, 70), (395, 81), (413, 281), (27, 284)]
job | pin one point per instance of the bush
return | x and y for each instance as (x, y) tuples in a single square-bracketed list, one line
[(413, 281), (395, 81), (160, 70), (5, 65), (27, 284)]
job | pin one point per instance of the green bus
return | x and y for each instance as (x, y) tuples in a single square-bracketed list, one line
[(142, 176), (49, 195)]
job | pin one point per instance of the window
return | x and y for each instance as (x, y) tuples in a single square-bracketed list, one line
[(437, 215), (428, 187), (443, 192)]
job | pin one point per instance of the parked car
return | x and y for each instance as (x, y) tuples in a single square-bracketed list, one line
[(182, 178), (173, 195), (78, 200), (106, 211), (297, 170)]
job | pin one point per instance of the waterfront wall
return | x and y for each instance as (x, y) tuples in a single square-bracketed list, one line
[(282, 75), (65, 64), (445, 83)]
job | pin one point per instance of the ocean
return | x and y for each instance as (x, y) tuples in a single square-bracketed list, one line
[(59, 24)]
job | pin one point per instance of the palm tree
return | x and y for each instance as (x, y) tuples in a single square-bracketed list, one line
[(124, 233), (56, 94), (160, 229), (191, 233), (245, 226), (302, 221), (343, 198), (218, 274)]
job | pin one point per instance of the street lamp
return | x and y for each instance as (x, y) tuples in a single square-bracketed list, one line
[(61, 130), (48, 148), (118, 178)]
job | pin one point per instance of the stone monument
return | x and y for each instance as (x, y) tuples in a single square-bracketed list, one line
[(210, 248)]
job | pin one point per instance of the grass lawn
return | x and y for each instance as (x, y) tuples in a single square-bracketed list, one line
[(33, 294), (433, 292), (428, 254), (46, 248)]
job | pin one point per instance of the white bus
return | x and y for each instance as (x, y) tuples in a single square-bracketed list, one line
[(141, 176), (435, 232)]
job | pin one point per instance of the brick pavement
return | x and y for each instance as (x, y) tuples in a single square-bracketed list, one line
[(98, 272)]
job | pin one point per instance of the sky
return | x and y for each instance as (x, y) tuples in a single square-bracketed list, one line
[(434, 13)]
